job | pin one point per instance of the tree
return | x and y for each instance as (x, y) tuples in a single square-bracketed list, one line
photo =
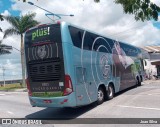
[(4, 49), (142, 9), (1, 18), (19, 26)]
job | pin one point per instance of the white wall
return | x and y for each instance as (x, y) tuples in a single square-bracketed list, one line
[(150, 68)]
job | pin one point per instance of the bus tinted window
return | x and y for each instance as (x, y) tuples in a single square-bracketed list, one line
[(98, 43), (76, 35), (88, 41), (48, 33)]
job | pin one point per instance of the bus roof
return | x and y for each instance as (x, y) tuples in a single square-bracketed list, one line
[(69, 24), (100, 34)]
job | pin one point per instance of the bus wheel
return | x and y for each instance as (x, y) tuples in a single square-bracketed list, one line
[(100, 96), (138, 81), (110, 92)]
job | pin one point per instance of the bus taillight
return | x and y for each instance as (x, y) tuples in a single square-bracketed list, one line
[(59, 22), (68, 86), (28, 87)]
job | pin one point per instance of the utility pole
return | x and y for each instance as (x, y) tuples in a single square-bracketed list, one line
[(4, 82)]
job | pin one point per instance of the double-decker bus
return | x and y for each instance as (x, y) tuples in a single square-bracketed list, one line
[(68, 66)]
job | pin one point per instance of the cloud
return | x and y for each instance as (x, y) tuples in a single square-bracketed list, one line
[(12, 69), (106, 18), (157, 2)]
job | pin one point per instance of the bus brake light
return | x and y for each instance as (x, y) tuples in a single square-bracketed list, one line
[(59, 22), (68, 86)]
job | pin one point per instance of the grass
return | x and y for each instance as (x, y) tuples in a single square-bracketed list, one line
[(11, 86)]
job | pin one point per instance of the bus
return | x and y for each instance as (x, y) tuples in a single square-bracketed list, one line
[(68, 66)]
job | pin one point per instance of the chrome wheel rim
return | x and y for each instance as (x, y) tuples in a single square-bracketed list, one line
[(100, 95), (110, 90)]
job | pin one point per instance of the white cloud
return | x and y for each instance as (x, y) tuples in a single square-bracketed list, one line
[(106, 18), (157, 2)]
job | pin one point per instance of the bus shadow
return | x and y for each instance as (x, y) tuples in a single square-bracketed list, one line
[(68, 113), (60, 113)]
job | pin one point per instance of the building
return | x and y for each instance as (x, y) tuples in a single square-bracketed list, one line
[(11, 81), (153, 64)]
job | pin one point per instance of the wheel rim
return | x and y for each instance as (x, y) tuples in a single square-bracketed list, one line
[(100, 95), (110, 91)]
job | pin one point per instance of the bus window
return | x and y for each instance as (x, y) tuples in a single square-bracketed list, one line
[(76, 35)]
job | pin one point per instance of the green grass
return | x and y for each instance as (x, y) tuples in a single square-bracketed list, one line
[(11, 86)]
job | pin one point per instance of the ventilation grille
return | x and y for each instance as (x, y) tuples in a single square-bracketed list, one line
[(45, 70)]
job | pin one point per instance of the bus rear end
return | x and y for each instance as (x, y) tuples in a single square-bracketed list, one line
[(47, 83)]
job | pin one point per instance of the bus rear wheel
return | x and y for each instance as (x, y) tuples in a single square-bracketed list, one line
[(101, 95), (138, 81), (110, 92)]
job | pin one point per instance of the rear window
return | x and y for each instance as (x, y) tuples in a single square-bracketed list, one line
[(48, 33)]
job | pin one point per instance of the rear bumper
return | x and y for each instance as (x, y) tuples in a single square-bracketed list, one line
[(63, 101)]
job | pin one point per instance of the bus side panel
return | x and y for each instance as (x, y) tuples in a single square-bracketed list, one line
[(68, 58), (85, 85)]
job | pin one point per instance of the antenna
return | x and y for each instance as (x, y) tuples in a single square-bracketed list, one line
[(59, 16)]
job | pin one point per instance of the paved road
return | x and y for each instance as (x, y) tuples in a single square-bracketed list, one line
[(138, 102)]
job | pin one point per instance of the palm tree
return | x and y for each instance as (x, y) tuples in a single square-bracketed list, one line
[(1, 19), (18, 26), (4, 49)]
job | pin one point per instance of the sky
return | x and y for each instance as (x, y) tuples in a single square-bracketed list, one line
[(106, 18)]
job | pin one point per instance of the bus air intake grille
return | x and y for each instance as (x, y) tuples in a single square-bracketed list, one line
[(45, 70)]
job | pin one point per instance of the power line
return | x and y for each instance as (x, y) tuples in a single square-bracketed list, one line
[(124, 32)]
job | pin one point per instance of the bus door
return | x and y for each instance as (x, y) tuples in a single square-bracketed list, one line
[(83, 88)]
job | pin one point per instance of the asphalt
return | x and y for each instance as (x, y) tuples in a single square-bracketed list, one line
[(152, 81)]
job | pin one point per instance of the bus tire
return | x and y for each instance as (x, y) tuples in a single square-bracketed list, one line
[(101, 95), (138, 82), (141, 78), (110, 92)]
